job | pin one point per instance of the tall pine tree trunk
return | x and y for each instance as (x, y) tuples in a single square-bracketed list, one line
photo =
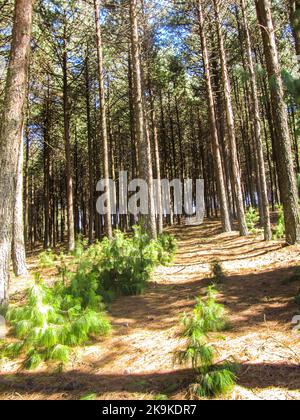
[(257, 129), (286, 175), (18, 243), (12, 122), (145, 161), (231, 127), (103, 120), (69, 166), (225, 216)]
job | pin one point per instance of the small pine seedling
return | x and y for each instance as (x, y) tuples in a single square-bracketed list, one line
[(217, 272), (252, 219), (211, 379)]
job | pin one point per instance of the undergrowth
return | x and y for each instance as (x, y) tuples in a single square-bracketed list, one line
[(252, 219), (121, 266), (50, 323), (211, 379), (53, 320)]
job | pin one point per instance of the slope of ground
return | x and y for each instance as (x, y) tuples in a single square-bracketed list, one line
[(137, 360)]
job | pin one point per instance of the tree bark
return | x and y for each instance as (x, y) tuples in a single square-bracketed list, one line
[(103, 119), (257, 129), (145, 161), (18, 243), (287, 178), (231, 127), (295, 22), (12, 122), (225, 216), (69, 169)]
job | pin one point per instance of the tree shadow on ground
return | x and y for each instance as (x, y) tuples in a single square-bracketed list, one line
[(74, 383), (250, 299)]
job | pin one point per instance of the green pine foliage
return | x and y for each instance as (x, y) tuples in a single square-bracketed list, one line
[(69, 314), (121, 266), (208, 316), (212, 379), (47, 259), (252, 219), (50, 324)]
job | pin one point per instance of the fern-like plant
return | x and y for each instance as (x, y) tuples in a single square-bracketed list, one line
[(211, 379), (252, 219), (208, 316), (50, 323)]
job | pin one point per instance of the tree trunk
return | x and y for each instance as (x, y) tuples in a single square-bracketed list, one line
[(104, 136), (225, 216), (145, 162), (69, 176), (231, 127), (295, 22), (287, 178), (257, 130), (18, 243), (12, 122), (90, 150)]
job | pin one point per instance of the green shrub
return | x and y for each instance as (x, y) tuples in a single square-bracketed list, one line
[(215, 381), (208, 316), (121, 266), (47, 259), (168, 246), (211, 379), (55, 319), (50, 323), (252, 219), (80, 246)]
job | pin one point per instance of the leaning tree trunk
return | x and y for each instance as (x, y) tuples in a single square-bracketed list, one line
[(225, 216), (18, 243), (104, 135), (231, 127), (257, 129), (12, 122), (287, 178), (145, 161)]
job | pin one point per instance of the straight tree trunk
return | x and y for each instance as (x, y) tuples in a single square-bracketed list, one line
[(18, 243), (257, 129), (225, 216), (69, 169), (231, 127), (103, 119), (145, 161), (12, 122), (90, 150), (295, 22), (287, 178)]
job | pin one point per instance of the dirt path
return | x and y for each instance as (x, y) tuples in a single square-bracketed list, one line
[(137, 360)]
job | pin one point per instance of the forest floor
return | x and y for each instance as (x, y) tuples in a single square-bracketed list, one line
[(136, 362)]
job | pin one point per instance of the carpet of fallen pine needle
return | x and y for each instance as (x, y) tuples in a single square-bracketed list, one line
[(136, 362)]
